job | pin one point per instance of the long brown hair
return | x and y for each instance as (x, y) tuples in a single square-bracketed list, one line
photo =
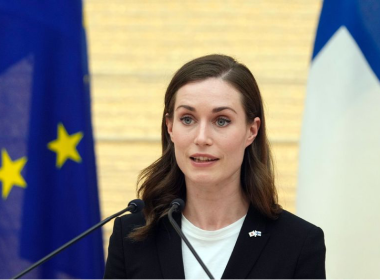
[(163, 181)]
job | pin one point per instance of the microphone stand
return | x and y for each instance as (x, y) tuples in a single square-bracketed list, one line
[(134, 206), (176, 206)]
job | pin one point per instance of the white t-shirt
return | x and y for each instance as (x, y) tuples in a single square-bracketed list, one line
[(213, 247)]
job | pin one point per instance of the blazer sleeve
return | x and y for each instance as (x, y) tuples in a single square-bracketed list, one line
[(115, 265), (311, 261)]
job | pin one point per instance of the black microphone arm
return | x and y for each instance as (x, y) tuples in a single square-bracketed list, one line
[(178, 205), (134, 206)]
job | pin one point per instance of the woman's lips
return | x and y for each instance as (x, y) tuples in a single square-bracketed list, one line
[(203, 160)]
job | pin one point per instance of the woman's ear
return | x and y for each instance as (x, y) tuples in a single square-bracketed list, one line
[(253, 130), (169, 125)]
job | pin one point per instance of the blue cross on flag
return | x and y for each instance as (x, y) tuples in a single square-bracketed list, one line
[(339, 167)]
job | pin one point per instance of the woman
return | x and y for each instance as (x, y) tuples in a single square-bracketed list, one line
[(216, 157)]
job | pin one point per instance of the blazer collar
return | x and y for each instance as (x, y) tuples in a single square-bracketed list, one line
[(169, 247), (247, 249), (244, 255)]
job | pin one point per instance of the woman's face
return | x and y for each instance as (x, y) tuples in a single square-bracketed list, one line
[(210, 132)]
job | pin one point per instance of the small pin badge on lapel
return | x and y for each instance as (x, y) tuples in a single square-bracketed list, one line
[(254, 233)]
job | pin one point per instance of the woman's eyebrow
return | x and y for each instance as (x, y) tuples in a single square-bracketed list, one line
[(186, 107), (219, 109), (215, 110)]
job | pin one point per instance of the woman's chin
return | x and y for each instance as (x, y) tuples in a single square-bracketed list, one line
[(203, 179)]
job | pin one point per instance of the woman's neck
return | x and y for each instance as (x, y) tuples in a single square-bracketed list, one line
[(212, 208)]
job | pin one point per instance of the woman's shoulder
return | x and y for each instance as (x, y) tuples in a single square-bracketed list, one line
[(290, 224), (137, 218), (285, 221), (131, 221), (295, 221)]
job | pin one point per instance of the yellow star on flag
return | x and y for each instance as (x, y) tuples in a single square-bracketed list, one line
[(65, 146), (10, 173)]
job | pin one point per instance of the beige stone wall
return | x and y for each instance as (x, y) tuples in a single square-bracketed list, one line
[(134, 49)]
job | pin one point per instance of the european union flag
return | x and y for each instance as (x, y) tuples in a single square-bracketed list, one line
[(47, 165)]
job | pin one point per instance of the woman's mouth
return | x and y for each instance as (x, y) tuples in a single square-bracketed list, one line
[(203, 159)]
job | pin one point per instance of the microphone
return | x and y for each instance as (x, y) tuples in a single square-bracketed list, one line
[(134, 206), (178, 205)]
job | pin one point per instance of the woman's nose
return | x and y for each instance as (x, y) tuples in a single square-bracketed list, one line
[(203, 135)]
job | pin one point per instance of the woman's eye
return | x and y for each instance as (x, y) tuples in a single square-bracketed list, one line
[(187, 120), (222, 122)]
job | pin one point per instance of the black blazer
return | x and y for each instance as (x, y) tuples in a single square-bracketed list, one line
[(288, 247)]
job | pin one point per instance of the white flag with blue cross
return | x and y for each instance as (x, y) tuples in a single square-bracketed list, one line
[(339, 167)]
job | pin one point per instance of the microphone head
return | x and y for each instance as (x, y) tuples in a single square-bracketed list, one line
[(138, 204), (180, 204)]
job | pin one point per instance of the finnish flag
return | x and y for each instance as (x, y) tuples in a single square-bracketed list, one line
[(339, 167)]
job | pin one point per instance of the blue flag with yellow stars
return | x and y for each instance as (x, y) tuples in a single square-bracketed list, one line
[(48, 180)]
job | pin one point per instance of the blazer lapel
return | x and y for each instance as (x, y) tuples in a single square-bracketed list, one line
[(247, 249), (169, 247)]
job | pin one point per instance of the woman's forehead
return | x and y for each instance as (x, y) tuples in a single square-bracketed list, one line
[(213, 91)]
